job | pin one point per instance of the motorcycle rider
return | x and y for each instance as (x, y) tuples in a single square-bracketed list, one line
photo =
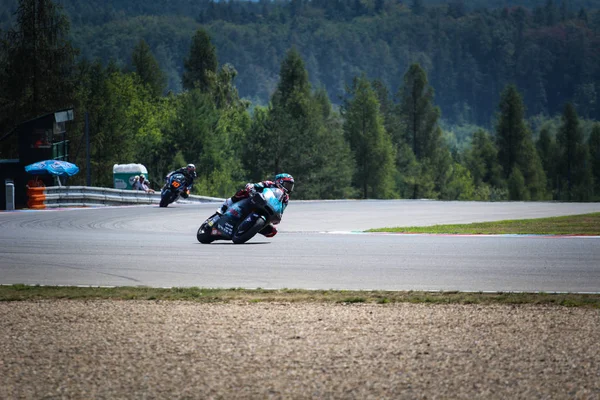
[(282, 181), (189, 172)]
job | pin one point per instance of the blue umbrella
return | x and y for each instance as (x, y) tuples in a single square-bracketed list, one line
[(52, 167)]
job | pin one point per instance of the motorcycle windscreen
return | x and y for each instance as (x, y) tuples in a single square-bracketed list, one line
[(177, 181), (274, 199)]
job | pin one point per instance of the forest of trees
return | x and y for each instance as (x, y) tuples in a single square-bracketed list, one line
[(470, 49), (356, 99)]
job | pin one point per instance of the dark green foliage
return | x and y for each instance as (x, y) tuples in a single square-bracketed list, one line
[(511, 130), (370, 143), (294, 122), (301, 135), (256, 152), (594, 148), (293, 78), (470, 49), (224, 91), (418, 115), (482, 160), (201, 60), (459, 185), (573, 167), (125, 123), (193, 131), (146, 67), (516, 185), (334, 179), (516, 152), (417, 7), (418, 127), (548, 152), (37, 61), (469, 55), (533, 172)]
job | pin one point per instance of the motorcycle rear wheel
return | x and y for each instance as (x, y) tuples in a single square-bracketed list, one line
[(249, 234), (165, 199)]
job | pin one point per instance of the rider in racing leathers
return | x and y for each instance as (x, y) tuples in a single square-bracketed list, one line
[(189, 172), (284, 182)]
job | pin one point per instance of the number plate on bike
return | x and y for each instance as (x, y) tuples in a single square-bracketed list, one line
[(176, 184)]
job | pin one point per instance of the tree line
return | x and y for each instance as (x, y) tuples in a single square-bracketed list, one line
[(548, 48), (381, 141)]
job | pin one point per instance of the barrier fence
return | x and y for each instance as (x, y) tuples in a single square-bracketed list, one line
[(86, 196)]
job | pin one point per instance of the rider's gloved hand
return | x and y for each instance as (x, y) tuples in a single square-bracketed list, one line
[(250, 188)]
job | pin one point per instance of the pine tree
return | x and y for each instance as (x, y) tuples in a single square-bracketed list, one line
[(370, 143), (333, 180), (291, 120), (516, 185), (418, 126), (515, 145), (224, 91), (482, 161), (511, 130), (564, 11), (551, 13), (417, 7), (388, 111), (574, 156), (594, 148), (418, 115), (295, 135), (39, 63), (201, 60), (258, 151), (293, 78), (147, 68), (548, 152), (193, 132)]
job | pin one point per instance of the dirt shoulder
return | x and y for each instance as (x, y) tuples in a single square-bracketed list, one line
[(172, 349)]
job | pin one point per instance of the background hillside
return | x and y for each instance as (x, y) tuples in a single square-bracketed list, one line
[(469, 49), (449, 100)]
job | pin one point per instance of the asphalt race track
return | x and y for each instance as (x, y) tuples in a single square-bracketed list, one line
[(319, 247)]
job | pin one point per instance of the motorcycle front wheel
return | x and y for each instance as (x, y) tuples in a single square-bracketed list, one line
[(243, 236), (204, 235), (165, 199)]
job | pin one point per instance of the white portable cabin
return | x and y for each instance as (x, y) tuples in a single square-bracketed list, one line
[(124, 174)]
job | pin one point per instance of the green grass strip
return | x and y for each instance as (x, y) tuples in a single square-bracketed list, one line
[(200, 295), (584, 224)]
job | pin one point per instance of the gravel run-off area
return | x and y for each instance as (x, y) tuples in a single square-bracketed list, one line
[(183, 350)]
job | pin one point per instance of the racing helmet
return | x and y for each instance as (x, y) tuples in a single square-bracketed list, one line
[(286, 181), (191, 168)]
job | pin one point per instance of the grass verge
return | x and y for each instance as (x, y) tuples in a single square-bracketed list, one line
[(584, 224), (34, 293)]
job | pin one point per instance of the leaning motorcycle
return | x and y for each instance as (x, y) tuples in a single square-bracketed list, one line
[(245, 218), (174, 188)]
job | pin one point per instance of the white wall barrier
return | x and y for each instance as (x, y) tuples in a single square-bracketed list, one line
[(86, 196)]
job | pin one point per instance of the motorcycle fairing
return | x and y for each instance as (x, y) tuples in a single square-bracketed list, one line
[(225, 225)]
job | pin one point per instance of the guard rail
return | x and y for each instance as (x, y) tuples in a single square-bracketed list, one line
[(87, 196)]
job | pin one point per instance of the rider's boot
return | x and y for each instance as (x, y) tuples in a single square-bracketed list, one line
[(268, 231)]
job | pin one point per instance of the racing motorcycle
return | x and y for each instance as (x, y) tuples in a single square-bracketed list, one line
[(173, 190), (245, 218)]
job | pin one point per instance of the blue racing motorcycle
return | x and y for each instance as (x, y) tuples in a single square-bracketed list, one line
[(175, 187), (245, 218)]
